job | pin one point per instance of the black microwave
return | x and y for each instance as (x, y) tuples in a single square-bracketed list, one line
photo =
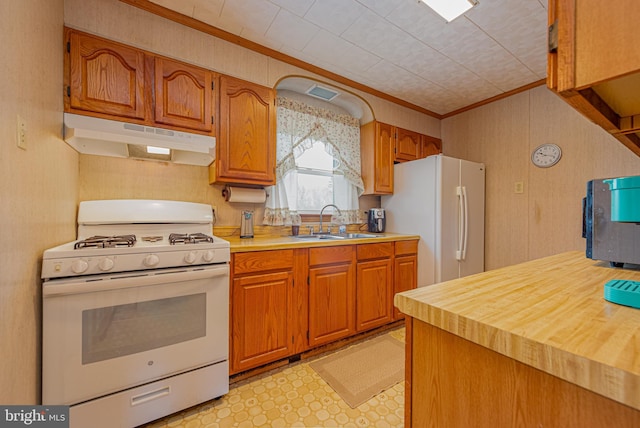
[(614, 242)]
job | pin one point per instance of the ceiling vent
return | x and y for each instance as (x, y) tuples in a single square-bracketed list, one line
[(322, 93)]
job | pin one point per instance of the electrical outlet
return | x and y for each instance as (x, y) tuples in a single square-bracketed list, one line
[(519, 187), (21, 133)]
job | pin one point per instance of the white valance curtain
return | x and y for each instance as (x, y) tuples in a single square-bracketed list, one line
[(298, 126)]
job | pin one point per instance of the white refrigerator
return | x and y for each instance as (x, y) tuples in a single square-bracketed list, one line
[(441, 199)]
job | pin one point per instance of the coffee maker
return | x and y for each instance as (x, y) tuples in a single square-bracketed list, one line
[(612, 241), (376, 220)]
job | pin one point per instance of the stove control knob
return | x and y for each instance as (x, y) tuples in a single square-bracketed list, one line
[(106, 264), (151, 260), (79, 266), (190, 257), (208, 255)]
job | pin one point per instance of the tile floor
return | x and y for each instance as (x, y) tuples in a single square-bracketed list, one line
[(291, 396)]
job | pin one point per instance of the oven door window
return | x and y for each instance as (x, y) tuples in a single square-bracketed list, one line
[(120, 330)]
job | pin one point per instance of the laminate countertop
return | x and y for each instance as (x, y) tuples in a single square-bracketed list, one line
[(548, 313), (264, 243)]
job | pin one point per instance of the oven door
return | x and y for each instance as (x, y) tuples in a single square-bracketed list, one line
[(106, 333)]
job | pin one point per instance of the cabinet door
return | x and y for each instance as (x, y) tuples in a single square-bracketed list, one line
[(384, 158), (331, 302), (597, 41), (408, 145), (405, 277), (373, 296), (376, 158), (384, 146), (246, 147), (183, 95), (106, 77), (430, 146), (260, 329)]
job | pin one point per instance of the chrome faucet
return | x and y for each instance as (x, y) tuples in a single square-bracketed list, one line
[(322, 210)]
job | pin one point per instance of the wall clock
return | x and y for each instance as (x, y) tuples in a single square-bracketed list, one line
[(546, 155)]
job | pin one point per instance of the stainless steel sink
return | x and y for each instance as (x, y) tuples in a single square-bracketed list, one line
[(338, 236), (319, 236), (360, 235)]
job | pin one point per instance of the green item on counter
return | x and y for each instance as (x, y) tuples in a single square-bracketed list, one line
[(625, 198), (623, 292)]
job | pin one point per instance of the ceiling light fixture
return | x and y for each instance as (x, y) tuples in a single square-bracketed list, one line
[(450, 9)]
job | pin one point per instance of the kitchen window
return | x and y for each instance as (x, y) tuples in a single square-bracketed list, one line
[(314, 179), (317, 163)]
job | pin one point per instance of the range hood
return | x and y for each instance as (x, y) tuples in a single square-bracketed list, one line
[(95, 136)]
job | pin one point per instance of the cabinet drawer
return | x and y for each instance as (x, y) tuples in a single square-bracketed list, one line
[(375, 251), (261, 261), (406, 247), (327, 255)]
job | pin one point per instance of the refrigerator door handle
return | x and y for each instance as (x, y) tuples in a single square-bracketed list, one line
[(466, 222), (463, 223), (459, 251)]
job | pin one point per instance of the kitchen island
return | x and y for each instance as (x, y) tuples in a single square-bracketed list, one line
[(529, 345)]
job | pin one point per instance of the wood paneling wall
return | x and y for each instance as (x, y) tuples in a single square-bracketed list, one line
[(38, 186), (547, 218)]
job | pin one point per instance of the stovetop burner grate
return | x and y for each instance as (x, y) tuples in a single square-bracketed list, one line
[(106, 242), (191, 238)]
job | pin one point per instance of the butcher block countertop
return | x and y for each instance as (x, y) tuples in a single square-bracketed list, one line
[(264, 243), (549, 314)]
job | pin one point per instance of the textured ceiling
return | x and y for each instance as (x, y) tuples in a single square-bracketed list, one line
[(399, 47)]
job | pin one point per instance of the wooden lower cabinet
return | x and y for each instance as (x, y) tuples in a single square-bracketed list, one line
[(261, 331), (261, 301), (285, 302), (452, 382), (405, 270), (331, 294), (374, 285)]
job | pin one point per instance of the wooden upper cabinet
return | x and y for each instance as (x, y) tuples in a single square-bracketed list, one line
[(246, 146), (595, 65), (430, 146), (597, 41), (184, 95), (377, 143), (106, 77), (114, 81), (408, 145), (381, 145)]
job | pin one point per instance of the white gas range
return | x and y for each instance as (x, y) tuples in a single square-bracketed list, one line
[(135, 313)]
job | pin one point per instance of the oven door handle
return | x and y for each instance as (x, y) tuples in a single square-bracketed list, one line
[(131, 280)]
